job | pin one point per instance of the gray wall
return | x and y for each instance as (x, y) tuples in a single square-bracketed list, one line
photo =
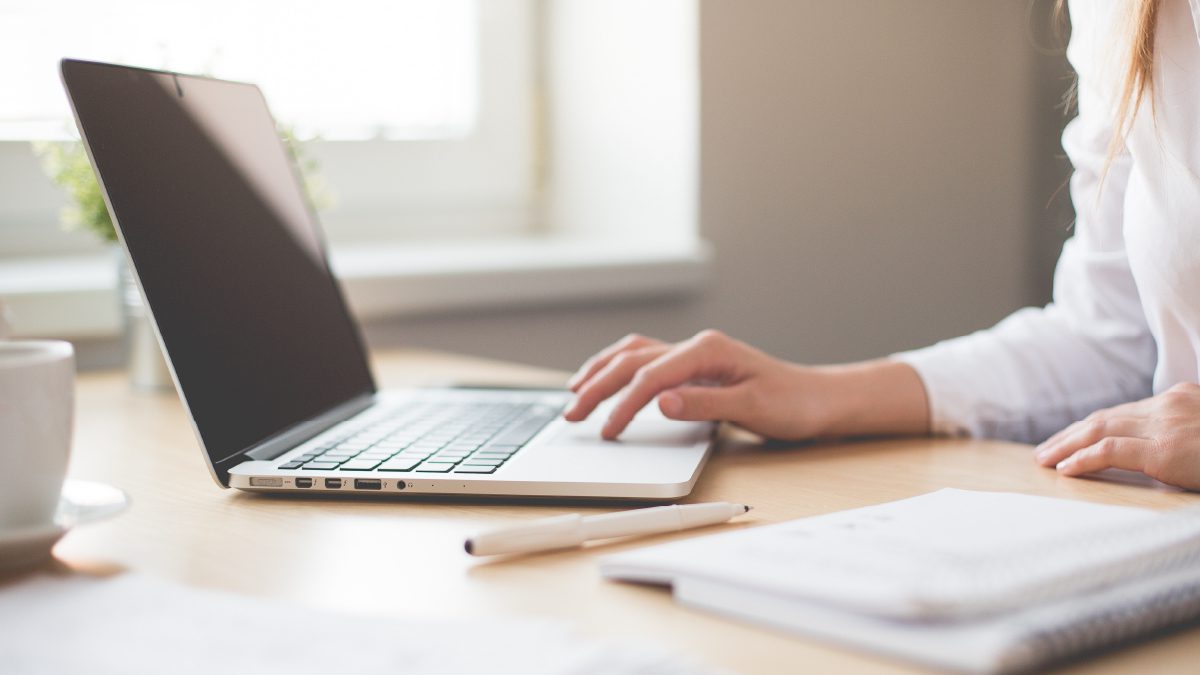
[(874, 176)]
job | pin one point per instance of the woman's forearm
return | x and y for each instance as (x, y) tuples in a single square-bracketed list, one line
[(873, 398)]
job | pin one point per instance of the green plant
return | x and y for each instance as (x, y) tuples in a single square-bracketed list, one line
[(67, 164), (319, 194)]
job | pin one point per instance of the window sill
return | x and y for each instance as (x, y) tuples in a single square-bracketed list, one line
[(75, 297)]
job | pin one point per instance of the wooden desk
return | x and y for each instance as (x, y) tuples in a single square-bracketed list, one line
[(407, 558)]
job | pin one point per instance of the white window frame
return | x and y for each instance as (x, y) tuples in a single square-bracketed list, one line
[(480, 185)]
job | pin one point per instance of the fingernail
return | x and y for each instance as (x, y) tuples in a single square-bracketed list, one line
[(1063, 465), (607, 430), (671, 404), (570, 410)]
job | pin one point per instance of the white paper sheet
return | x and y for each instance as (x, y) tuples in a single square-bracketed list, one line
[(132, 624)]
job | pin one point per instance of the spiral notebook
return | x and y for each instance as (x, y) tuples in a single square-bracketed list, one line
[(966, 581)]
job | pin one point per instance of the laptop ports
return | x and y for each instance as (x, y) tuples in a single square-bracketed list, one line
[(304, 482), (368, 484), (333, 483)]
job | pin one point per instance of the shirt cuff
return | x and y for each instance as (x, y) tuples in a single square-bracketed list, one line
[(951, 411)]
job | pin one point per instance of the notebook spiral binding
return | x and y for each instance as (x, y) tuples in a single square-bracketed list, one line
[(1120, 615)]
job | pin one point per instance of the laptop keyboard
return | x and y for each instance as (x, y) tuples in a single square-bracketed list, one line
[(430, 437)]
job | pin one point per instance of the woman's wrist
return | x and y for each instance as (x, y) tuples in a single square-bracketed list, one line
[(870, 398)]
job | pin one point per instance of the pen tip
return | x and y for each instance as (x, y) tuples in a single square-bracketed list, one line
[(469, 547), (747, 507)]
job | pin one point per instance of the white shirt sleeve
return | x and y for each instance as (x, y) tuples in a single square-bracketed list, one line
[(1042, 368)]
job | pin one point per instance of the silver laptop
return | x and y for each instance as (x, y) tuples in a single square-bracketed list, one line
[(263, 351)]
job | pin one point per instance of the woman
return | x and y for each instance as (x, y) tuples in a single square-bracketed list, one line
[(1107, 371)]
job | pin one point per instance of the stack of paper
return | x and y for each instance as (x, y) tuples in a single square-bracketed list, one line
[(973, 581)]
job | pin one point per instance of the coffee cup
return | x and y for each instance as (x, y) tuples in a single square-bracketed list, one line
[(37, 397)]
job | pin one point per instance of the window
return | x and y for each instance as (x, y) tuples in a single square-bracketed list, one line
[(356, 69), (421, 107), (550, 145)]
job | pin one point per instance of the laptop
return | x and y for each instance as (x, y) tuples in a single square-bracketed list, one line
[(264, 354)]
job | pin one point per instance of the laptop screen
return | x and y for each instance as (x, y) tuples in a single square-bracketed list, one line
[(229, 254)]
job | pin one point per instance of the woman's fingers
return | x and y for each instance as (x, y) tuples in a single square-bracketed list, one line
[(611, 378), (702, 357), (1056, 438), (1111, 452), (1132, 409), (705, 404), (1088, 432), (602, 359)]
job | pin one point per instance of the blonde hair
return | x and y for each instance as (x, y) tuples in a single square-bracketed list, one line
[(1138, 83), (1141, 22)]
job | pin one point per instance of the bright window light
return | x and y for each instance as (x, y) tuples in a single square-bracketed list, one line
[(344, 70)]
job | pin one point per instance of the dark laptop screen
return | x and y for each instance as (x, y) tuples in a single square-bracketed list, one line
[(230, 257)]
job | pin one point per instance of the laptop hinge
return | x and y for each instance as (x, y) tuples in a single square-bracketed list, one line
[(282, 442)]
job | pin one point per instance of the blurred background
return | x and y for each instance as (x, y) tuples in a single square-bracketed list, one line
[(532, 179)]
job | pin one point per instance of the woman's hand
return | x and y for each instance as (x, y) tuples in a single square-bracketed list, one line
[(1158, 436), (714, 377), (708, 377)]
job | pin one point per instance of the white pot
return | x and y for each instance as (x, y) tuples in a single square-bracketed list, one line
[(147, 367)]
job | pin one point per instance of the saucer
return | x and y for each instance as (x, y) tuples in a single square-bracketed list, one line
[(82, 502)]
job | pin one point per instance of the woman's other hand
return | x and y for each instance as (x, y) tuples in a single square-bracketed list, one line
[(1158, 436)]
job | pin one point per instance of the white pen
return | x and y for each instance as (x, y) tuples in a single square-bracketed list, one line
[(573, 529)]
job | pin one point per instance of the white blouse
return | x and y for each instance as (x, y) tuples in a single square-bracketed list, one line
[(1125, 319)]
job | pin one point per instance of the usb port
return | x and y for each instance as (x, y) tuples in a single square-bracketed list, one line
[(266, 481), (303, 482), (333, 483), (368, 484)]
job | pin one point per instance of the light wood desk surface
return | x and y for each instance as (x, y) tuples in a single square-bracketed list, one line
[(407, 558)]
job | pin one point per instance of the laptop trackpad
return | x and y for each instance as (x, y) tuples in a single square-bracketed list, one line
[(653, 450), (650, 427)]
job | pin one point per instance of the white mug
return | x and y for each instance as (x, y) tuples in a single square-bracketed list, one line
[(37, 399)]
